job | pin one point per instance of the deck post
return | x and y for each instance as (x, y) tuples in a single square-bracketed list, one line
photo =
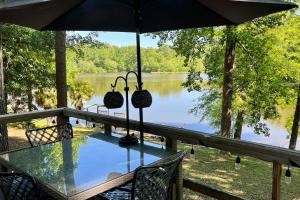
[(171, 143), (276, 180), (178, 187), (61, 74), (107, 129)]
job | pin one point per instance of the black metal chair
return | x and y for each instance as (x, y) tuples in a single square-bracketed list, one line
[(149, 183), (18, 186), (50, 134)]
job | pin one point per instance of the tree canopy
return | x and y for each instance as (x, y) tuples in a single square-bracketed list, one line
[(267, 50), (29, 69), (108, 58)]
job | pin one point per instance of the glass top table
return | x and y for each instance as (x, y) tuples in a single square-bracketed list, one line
[(84, 166)]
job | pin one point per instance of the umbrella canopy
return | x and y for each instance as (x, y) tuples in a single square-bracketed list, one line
[(141, 16)]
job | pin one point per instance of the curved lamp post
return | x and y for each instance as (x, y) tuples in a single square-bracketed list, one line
[(140, 99)]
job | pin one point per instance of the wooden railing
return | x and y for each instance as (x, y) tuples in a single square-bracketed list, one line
[(275, 155)]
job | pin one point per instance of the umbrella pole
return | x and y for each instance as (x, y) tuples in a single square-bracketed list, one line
[(139, 70)]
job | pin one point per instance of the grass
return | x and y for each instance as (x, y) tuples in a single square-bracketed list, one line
[(252, 181)]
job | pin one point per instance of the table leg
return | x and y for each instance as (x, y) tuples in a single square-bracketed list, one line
[(107, 129)]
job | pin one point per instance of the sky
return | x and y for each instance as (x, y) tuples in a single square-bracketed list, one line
[(123, 39), (126, 39)]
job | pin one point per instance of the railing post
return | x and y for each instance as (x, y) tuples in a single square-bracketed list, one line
[(171, 143), (107, 129), (86, 121), (276, 180), (178, 188), (62, 119)]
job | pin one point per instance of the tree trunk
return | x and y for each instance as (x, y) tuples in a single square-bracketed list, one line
[(296, 121), (29, 98), (239, 124), (61, 72), (228, 83), (3, 128)]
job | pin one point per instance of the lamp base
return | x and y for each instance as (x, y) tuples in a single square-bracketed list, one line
[(128, 140)]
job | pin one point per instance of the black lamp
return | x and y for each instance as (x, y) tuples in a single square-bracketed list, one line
[(237, 164), (113, 100), (140, 99), (288, 176)]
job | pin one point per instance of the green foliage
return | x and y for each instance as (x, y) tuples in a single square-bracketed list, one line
[(82, 89), (46, 98), (284, 52), (29, 68), (99, 58), (258, 75), (28, 63)]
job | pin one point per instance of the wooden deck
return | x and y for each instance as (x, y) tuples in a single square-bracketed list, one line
[(275, 155)]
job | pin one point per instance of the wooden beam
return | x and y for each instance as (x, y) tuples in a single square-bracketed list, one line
[(21, 117), (209, 191), (61, 71), (177, 190), (171, 143), (61, 74), (179, 183), (276, 181), (260, 151)]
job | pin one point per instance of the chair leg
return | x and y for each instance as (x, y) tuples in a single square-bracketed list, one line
[(3, 168)]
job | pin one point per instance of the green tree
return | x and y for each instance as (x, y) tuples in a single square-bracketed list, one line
[(284, 45), (240, 86), (29, 69), (28, 60), (97, 58)]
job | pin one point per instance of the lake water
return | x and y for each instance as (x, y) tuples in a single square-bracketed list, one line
[(172, 103)]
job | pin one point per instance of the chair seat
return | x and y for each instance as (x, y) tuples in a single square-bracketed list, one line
[(120, 193), (18, 186), (149, 182), (117, 194)]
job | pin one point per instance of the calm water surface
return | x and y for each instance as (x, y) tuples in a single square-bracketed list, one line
[(172, 103)]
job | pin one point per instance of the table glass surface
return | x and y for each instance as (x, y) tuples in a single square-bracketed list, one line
[(76, 165)]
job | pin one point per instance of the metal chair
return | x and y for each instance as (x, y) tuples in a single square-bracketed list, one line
[(149, 183), (50, 134), (18, 186)]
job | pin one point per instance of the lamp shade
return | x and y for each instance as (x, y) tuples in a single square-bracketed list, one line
[(113, 100), (141, 99)]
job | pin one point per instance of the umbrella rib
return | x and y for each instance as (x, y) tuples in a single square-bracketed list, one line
[(64, 14), (279, 2), (223, 17)]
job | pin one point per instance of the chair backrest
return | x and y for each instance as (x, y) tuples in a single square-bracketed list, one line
[(50, 134), (17, 186), (155, 182)]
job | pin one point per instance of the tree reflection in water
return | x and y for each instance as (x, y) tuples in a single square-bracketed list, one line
[(172, 84), (55, 163)]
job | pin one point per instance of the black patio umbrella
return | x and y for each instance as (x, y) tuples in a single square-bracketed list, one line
[(138, 16)]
